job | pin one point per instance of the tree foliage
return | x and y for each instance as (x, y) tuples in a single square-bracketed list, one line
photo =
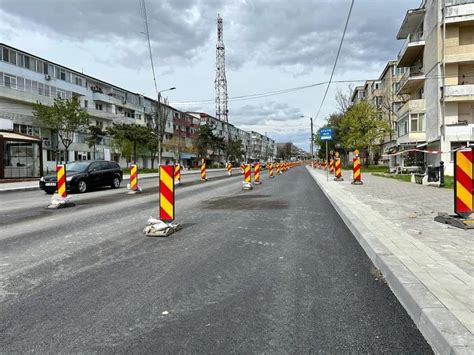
[(94, 137), (65, 118), (234, 150), (136, 135), (361, 126), (206, 142)]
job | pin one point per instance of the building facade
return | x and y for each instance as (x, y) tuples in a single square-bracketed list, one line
[(439, 56), (26, 79), (427, 94)]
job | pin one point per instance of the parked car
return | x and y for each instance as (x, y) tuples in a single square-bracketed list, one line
[(83, 175)]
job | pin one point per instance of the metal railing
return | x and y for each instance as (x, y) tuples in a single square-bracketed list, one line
[(409, 73), (412, 37)]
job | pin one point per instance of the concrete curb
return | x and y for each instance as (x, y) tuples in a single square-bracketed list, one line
[(441, 329), (125, 177)]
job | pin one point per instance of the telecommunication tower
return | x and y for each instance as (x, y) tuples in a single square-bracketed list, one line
[(221, 81)]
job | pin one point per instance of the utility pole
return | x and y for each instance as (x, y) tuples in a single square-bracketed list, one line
[(312, 143)]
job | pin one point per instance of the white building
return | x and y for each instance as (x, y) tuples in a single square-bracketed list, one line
[(439, 56)]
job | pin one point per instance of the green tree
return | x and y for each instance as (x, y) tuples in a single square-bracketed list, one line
[(94, 137), (362, 126), (153, 147), (65, 118), (203, 140), (234, 149), (137, 135)]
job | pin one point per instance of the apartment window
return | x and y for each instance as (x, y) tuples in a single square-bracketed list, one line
[(6, 55), (40, 67), (20, 83), (53, 92), (403, 127), (20, 60), (10, 81), (78, 81), (61, 94), (40, 89), (26, 62), (46, 90), (86, 103), (98, 107), (417, 122), (62, 74), (12, 58)]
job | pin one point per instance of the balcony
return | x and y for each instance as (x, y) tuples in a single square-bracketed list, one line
[(412, 79), (459, 11), (412, 49), (24, 96), (459, 93), (101, 97), (412, 137), (415, 106), (460, 132)]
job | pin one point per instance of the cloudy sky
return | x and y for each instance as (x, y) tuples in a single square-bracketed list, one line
[(270, 45)]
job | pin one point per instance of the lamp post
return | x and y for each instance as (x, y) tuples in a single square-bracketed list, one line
[(312, 141), (161, 121)]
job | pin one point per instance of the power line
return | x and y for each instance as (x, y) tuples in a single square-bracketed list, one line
[(142, 6), (337, 57)]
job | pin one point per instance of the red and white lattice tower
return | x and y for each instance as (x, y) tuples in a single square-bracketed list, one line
[(221, 81)]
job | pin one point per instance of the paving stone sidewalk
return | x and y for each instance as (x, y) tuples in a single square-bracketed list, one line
[(430, 265)]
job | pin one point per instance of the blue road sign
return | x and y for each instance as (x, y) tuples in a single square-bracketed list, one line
[(325, 134)]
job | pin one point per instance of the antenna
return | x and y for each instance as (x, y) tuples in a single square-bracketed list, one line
[(221, 81)]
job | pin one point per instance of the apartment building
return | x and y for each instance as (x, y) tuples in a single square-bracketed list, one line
[(255, 145), (26, 79), (439, 80), (389, 103)]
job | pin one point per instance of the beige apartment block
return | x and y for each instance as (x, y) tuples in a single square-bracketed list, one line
[(390, 104), (439, 56)]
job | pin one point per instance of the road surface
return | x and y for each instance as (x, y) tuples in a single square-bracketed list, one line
[(270, 270)]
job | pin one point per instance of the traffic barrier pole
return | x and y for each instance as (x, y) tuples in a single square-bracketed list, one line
[(203, 170), (134, 177), (164, 226), (338, 168), (463, 187), (166, 193), (463, 191), (247, 183), (60, 199), (242, 168), (61, 181), (177, 174), (331, 166), (256, 173), (270, 170), (229, 169), (357, 178)]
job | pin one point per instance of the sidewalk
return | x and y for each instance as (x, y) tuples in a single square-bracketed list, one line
[(428, 265), (34, 185)]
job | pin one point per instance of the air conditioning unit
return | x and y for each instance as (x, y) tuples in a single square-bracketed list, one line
[(46, 142), (47, 77)]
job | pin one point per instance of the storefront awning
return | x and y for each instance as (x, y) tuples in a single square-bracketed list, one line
[(9, 135)]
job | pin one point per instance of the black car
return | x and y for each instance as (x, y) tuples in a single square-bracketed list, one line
[(83, 175)]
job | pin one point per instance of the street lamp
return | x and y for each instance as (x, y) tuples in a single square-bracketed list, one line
[(173, 88), (161, 123), (312, 141)]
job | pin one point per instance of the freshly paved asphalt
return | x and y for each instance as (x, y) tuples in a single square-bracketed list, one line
[(270, 270)]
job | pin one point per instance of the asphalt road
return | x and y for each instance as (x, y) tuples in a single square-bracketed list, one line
[(270, 270)]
